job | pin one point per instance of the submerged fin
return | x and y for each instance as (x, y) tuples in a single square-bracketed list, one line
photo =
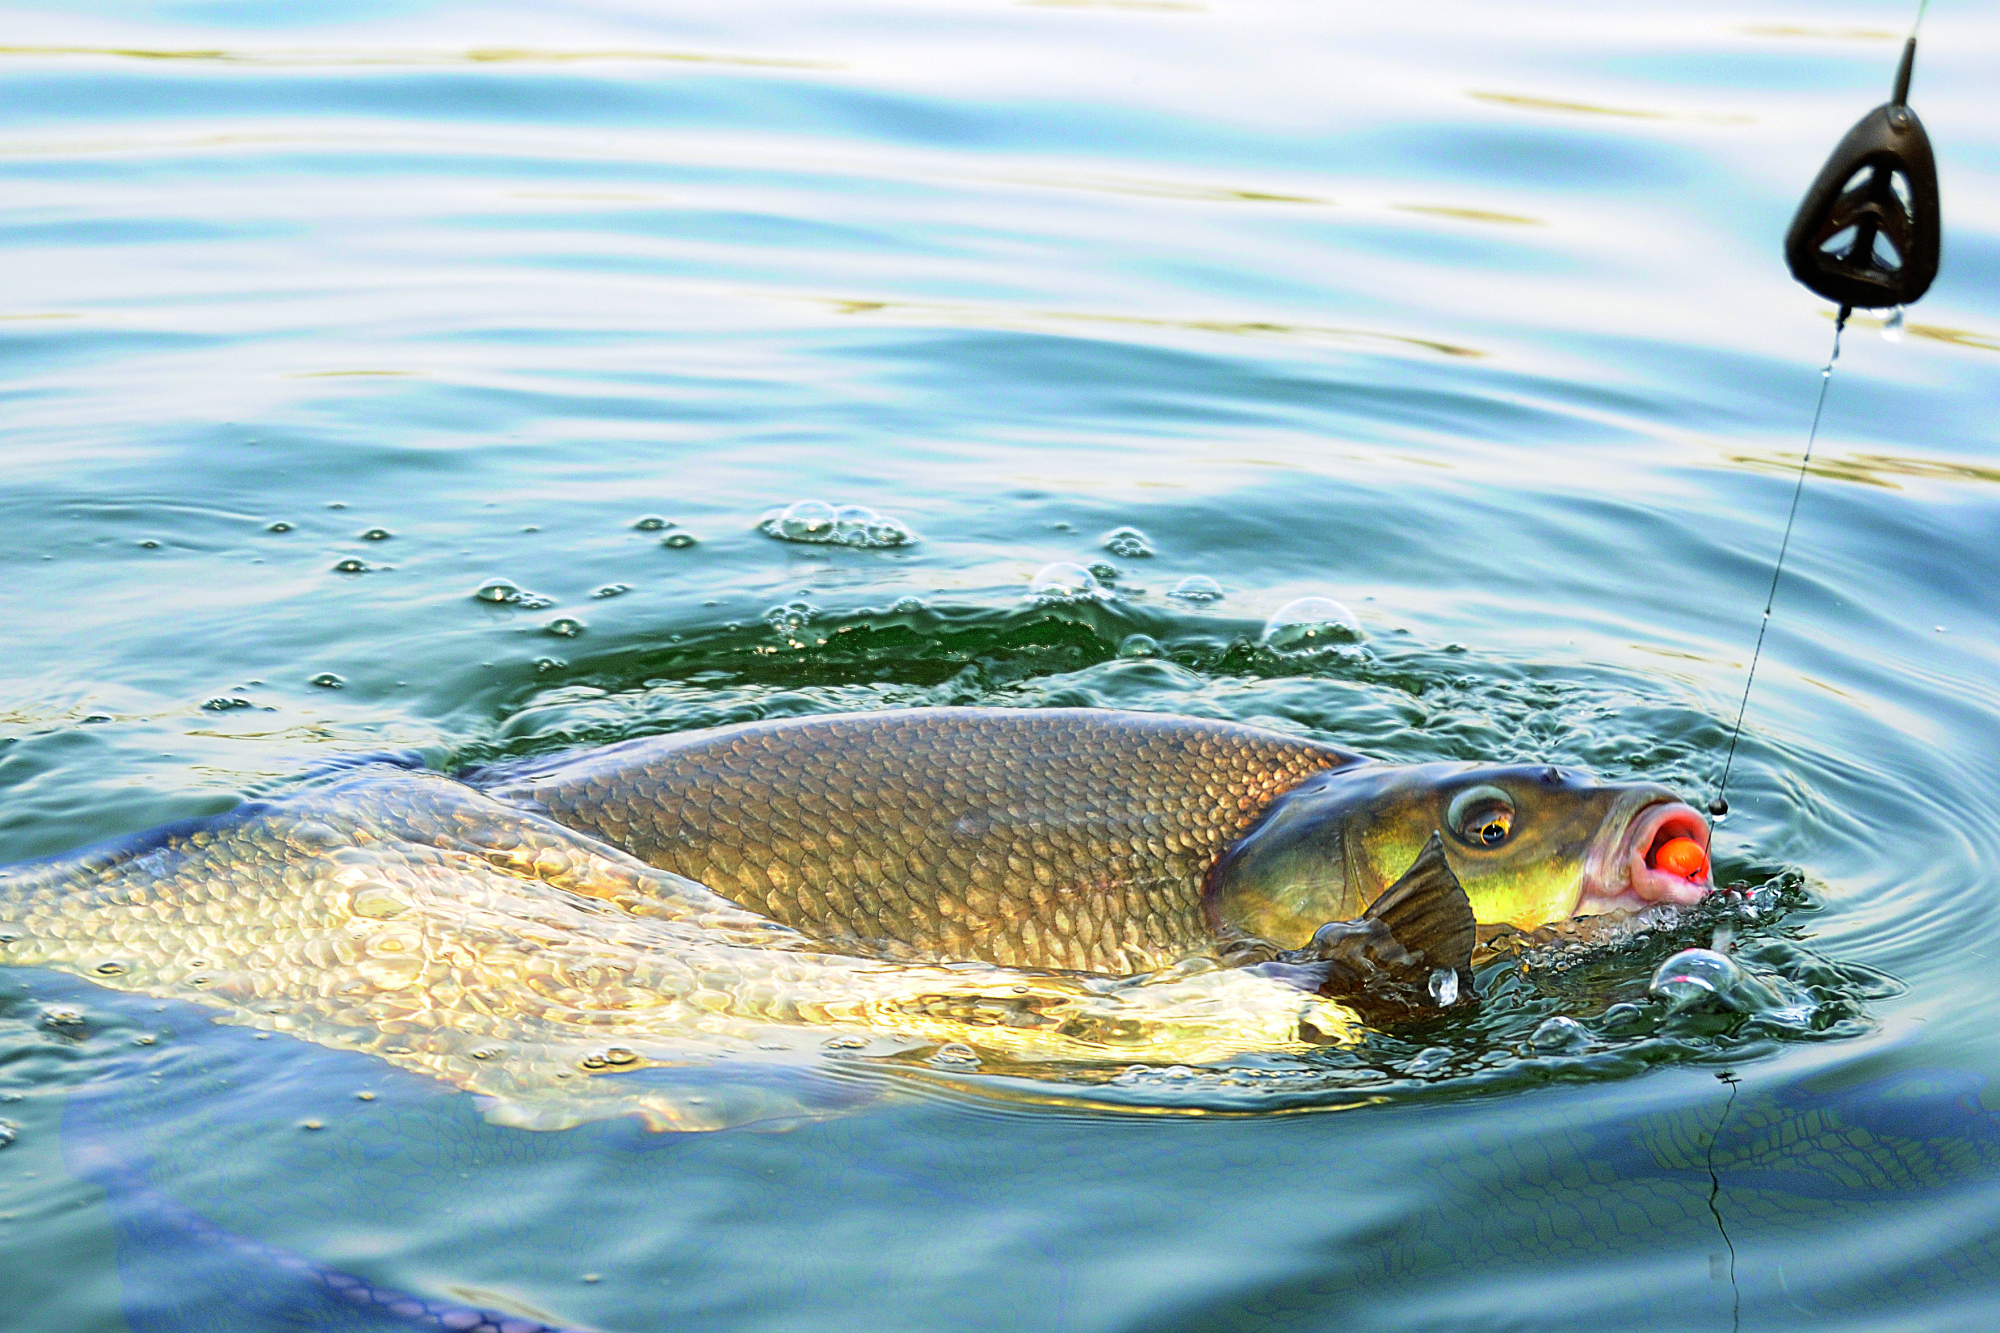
[(1408, 956)]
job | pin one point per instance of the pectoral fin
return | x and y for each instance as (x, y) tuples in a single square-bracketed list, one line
[(1427, 911), (1408, 955)]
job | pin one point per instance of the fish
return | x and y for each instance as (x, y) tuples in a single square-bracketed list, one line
[(1013, 889), (1096, 840)]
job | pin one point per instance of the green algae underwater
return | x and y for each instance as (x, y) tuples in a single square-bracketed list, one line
[(438, 380)]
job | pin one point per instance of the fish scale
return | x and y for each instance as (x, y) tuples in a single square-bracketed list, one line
[(1062, 838)]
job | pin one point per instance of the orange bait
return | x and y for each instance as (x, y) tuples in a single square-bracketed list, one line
[(1683, 857)]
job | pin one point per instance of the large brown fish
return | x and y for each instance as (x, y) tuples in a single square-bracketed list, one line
[(1094, 840), (971, 882)]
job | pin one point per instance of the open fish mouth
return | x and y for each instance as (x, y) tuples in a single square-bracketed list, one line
[(1622, 872)]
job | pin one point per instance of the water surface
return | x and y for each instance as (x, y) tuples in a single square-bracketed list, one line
[(1471, 317)]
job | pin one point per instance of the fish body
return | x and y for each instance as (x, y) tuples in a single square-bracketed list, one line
[(1051, 838), (1091, 839)]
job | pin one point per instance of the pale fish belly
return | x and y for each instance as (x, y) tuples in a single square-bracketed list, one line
[(407, 915)]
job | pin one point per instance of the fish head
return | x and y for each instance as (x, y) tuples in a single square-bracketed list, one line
[(1532, 844)]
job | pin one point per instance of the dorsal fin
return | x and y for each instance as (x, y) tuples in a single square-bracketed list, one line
[(1427, 911)]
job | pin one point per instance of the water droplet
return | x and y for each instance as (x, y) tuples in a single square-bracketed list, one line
[(352, 566), (377, 535), (1444, 986), (613, 590), (1560, 1034), (279, 526), (498, 590), (678, 541), (326, 680), (1139, 645), (1127, 543), (1065, 581), (653, 523), (1308, 625), (1892, 327), (564, 627), (1199, 589)]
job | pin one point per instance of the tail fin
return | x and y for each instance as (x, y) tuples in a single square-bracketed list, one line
[(1427, 911)]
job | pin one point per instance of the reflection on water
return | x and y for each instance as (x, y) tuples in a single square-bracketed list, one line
[(1516, 375)]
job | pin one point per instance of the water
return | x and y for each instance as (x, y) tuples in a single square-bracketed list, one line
[(1471, 319)]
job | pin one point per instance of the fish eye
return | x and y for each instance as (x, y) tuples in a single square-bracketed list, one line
[(1481, 816)]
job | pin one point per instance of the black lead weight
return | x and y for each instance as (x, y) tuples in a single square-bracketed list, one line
[(1870, 230)]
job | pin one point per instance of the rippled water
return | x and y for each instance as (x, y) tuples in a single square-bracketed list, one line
[(316, 325)]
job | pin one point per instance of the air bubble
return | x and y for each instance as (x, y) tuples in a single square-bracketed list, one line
[(326, 680), (1066, 581), (953, 1055), (791, 617), (613, 590), (279, 526), (1703, 978), (1139, 645), (1560, 1034), (564, 627), (224, 704), (1444, 986), (818, 523), (1127, 543), (1308, 625), (377, 535), (806, 521), (9, 1131), (149, 545), (544, 665), (353, 566), (652, 523), (678, 541), (1198, 589), (499, 591), (909, 606)]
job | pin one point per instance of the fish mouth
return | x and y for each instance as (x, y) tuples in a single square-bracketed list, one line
[(1622, 874)]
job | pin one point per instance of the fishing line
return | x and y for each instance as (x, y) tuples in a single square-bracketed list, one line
[(1868, 235), (1720, 805)]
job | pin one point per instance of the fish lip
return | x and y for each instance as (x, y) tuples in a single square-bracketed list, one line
[(1616, 877)]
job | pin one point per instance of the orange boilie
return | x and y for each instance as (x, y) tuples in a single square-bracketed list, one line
[(1683, 857)]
